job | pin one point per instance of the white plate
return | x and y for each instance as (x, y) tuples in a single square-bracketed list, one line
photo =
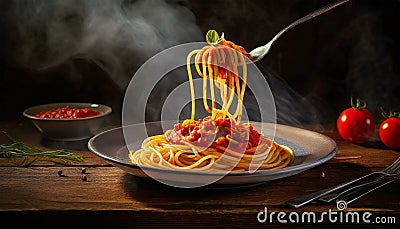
[(310, 149)]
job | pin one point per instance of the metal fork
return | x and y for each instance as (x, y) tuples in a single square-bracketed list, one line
[(392, 170), (300, 201), (259, 52), (371, 186)]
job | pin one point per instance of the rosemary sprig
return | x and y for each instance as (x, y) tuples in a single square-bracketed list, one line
[(29, 154)]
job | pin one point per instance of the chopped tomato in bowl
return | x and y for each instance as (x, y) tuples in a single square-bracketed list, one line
[(68, 121)]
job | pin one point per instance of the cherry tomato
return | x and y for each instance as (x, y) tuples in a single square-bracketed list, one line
[(356, 124), (389, 132)]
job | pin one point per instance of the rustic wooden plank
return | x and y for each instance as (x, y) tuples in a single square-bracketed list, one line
[(37, 195), (40, 188), (133, 219), (24, 130), (89, 160), (150, 219)]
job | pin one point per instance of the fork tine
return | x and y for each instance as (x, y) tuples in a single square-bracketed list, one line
[(393, 167), (396, 169)]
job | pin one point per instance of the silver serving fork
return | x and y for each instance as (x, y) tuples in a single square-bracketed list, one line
[(300, 201), (371, 186), (384, 175)]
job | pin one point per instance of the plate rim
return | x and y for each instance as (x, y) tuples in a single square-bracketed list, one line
[(290, 169)]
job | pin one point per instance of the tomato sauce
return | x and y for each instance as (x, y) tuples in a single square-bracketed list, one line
[(219, 132), (67, 113)]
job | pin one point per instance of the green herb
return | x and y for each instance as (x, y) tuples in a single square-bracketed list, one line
[(30, 154), (360, 104), (390, 114), (213, 38)]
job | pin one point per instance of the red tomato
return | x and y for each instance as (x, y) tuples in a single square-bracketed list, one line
[(356, 125), (389, 132)]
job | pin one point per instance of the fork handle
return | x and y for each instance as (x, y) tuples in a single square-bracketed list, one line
[(259, 52), (308, 17), (300, 201), (358, 193), (335, 194)]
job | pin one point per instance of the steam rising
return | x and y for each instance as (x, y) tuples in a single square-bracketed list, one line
[(118, 35)]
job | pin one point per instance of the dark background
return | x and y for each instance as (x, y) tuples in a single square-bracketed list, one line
[(87, 51)]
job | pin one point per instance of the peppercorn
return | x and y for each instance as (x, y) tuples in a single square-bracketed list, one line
[(84, 178), (83, 170), (60, 172)]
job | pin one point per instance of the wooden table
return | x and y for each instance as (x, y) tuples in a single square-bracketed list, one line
[(38, 196)]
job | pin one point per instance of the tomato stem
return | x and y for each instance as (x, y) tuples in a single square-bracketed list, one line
[(390, 114), (360, 104)]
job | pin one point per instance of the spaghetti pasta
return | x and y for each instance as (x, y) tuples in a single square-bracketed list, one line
[(218, 142), (220, 66)]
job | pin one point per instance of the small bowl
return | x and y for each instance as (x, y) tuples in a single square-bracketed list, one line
[(68, 129)]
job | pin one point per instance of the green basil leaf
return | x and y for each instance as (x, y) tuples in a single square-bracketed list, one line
[(213, 38)]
